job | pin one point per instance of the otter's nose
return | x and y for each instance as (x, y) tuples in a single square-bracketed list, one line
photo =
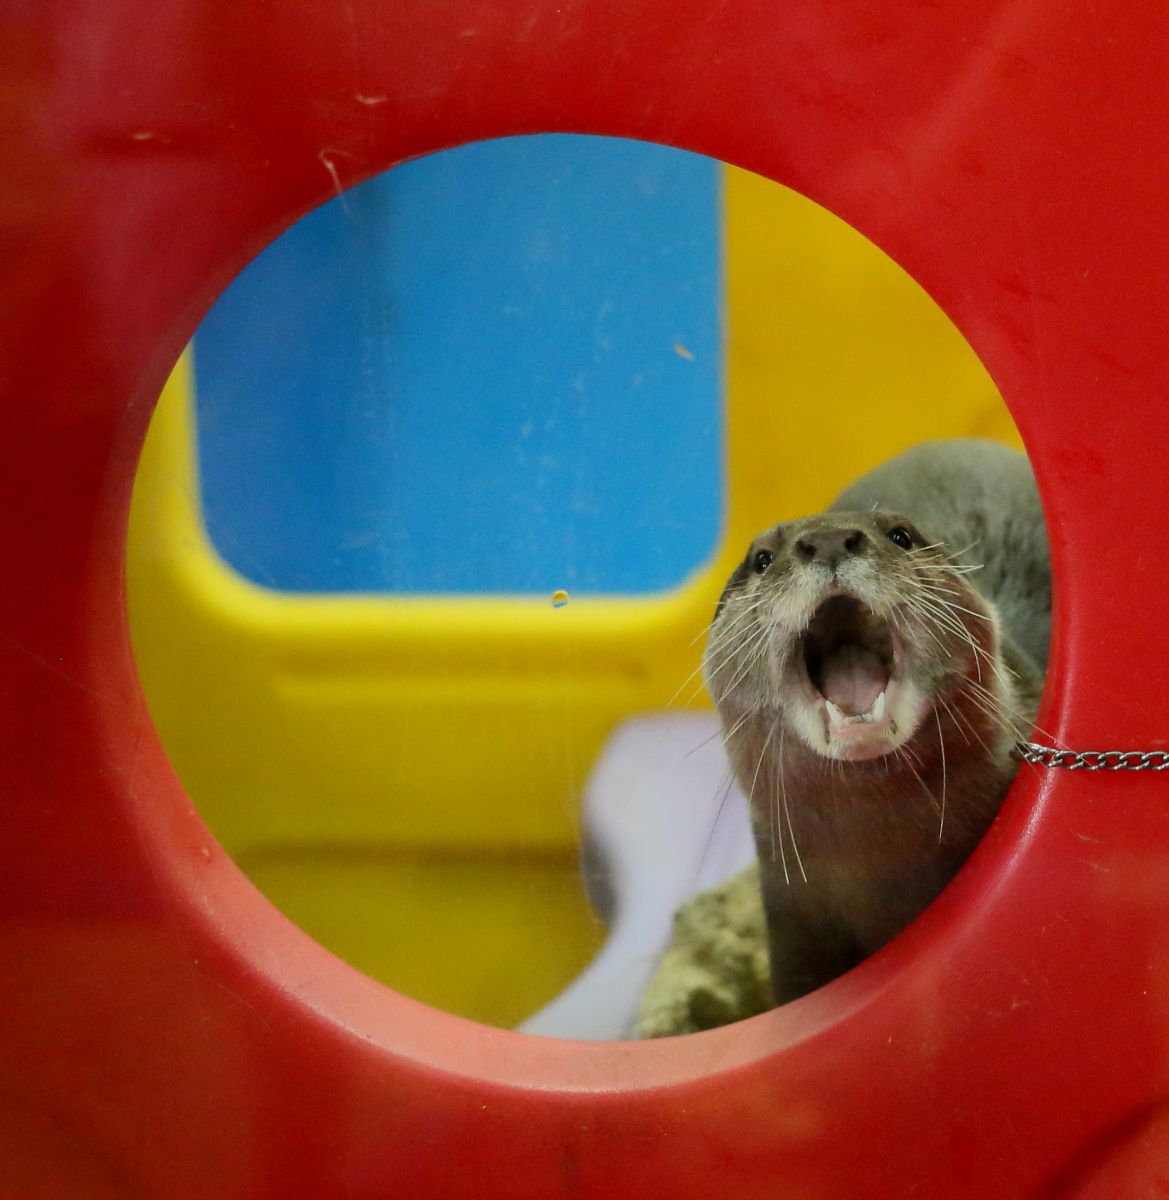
[(831, 546)]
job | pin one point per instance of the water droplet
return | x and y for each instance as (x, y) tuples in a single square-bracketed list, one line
[(559, 598)]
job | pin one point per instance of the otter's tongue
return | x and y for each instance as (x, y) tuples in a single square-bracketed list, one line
[(853, 678)]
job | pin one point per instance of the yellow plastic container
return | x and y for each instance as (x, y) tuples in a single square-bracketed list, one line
[(402, 775)]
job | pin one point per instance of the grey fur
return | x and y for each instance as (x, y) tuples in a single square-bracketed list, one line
[(979, 498), (850, 851)]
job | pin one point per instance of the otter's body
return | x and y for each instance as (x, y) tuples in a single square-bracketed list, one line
[(873, 667)]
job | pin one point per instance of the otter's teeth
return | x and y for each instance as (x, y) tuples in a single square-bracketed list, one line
[(839, 717)]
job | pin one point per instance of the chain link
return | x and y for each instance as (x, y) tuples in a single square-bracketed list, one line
[(1093, 760)]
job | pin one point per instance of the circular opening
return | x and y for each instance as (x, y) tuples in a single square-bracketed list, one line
[(429, 528)]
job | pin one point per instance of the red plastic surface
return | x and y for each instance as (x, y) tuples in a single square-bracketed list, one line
[(163, 1031)]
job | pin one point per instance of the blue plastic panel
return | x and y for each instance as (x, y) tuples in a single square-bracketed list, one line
[(496, 369)]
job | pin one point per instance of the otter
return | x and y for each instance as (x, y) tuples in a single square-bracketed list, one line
[(873, 667)]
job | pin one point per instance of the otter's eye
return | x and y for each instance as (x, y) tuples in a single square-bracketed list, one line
[(762, 560), (900, 536)]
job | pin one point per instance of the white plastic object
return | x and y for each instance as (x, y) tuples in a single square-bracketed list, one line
[(663, 819)]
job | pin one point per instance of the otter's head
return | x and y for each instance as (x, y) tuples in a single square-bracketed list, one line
[(846, 629)]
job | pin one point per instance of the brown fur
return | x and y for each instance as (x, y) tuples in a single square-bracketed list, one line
[(855, 835)]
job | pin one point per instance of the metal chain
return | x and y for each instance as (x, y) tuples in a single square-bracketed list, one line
[(1093, 760)]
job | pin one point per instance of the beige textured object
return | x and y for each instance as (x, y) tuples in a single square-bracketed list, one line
[(714, 970)]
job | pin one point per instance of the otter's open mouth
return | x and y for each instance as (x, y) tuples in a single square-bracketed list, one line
[(850, 656)]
